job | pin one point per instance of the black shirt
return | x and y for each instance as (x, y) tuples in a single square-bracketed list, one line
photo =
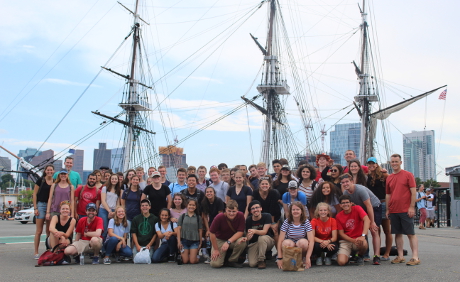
[(282, 188), (259, 225), (43, 191), (157, 198), (378, 188), (198, 195), (214, 208), (270, 204)]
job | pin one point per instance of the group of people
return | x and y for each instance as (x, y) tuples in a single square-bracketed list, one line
[(237, 214)]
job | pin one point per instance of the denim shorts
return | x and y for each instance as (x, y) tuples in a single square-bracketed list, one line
[(187, 244), (41, 207)]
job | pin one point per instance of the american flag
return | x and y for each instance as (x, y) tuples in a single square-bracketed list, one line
[(443, 95)]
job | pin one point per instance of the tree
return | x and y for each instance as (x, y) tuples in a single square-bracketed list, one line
[(418, 181), (26, 197), (431, 183)]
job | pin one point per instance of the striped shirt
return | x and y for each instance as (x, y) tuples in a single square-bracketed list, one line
[(308, 190), (296, 231)]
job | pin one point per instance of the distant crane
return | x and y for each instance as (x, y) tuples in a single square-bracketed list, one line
[(323, 134)]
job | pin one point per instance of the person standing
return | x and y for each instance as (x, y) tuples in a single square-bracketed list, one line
[(400, 199), (162, 171), (140, 173), (74, 176), (219, 186), (430, 214), (240, 193), (109, 201), (40, 201), (421, 205), (202, 183), (180, 184), (85, 195), (158, 194), (349, 156), (60, 191)]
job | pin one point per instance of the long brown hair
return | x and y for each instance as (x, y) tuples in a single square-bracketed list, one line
[(303, 215), (109, 186), (376, 174), (119, 221), (360, 177), (58, 179)]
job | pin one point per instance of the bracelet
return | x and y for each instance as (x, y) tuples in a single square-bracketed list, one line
[(279, 258)]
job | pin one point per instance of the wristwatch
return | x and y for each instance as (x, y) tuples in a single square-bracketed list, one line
[(363, 235), (228, 242)]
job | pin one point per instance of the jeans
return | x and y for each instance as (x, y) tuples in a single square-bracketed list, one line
[(111, 244), (105, 217), (166, 248)]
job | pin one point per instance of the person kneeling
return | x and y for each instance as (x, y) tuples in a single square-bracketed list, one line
[(189, 228), (353, 235), (226, 231), (118, 229), (88, 238)]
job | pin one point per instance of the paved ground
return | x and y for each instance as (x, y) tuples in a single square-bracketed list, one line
[(439, 252)]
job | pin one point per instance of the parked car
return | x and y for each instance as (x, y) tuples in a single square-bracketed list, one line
[(25, 216)]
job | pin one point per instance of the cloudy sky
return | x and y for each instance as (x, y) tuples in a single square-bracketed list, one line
[(202, 60)]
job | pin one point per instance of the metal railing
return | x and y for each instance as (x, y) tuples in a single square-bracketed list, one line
[(442, 210)]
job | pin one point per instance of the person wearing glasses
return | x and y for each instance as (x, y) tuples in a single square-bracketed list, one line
[(352, 225), (332, 175), (259, 235)]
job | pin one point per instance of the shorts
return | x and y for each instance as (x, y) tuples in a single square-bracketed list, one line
[(83, 246), (401, 223), (430, 214), (346, 248), (187, 244), (295, 240), (54, 213), (378, 215), (384, 210), (41, 207)]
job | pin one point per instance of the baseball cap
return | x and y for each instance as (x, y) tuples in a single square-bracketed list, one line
[(372, 159), (286, 167), (292, 184), (63, 171), (156, 173), (91, 206)]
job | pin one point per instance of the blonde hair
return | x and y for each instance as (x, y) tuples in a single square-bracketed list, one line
[(320, 205), (123, 221)]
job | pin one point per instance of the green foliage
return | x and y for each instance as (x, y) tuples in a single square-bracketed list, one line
[(418, 181), (431, 183), (26, 196)]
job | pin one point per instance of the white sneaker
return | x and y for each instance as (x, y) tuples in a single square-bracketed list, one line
[(208, 260)]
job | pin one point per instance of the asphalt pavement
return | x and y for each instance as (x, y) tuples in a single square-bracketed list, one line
[(439, 253)]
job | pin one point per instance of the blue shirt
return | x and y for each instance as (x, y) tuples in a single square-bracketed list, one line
[(422, 203), (301, 197), (74, 178), (176, 188)]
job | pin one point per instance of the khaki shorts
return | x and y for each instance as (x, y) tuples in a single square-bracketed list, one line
[(346, 248), (83, 246)]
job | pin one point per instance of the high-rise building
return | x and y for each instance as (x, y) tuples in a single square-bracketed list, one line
[(419, 154), (43, 159), (27, 155), (5, 164), (173, 156), (78, 160), (102, 156), (345, 137), (116, 159)]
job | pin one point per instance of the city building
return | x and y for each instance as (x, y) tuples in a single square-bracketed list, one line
[(173, 156), (78, 159), (116, 159), (345, 137), (5, 164), (102, 156), (419, 154), (86, 173)]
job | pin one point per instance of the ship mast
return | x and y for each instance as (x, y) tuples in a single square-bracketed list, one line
[(270, 88), (366, 96)]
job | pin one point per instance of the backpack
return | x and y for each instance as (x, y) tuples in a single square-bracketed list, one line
[(53, 257)]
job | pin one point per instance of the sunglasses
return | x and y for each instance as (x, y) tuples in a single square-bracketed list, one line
[(334, 170)]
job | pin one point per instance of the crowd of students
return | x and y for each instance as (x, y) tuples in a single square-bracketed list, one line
[(326, 211)]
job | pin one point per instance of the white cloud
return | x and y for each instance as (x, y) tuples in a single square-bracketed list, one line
[(3, 131), (36, 144)]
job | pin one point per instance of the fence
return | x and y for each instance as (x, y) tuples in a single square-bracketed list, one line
[(442, 208)]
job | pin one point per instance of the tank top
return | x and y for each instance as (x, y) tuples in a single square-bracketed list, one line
[(60, 194), (65, 227)]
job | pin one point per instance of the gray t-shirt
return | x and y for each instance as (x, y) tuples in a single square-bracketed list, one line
[(221, 189), (361, 194), (190, 227), (142, 185), (111, 199)]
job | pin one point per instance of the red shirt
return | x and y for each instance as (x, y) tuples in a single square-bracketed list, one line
[(83, 226), (365, 169), (398, 186), (323, 230), (89, 195), (222, 229), (352, 224)]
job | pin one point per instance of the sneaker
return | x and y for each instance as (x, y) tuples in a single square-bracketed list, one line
[(95, 260), (106, 261), (360, 261), (327, 261), (235, 264), (398, 260), (334, 257), (64, 262), (208, 260), (319, 261), (36, 256), (354, 258), (172, 258), (421, 227), (413, 261), (261, 264), (77, 259), (126, 258), (384, 258), (367, 258), (118, 258), (376, 260)]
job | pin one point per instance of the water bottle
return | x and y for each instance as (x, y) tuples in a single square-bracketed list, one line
[(82, 259)]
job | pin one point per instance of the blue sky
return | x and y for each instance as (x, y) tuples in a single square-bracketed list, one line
[(51, 50)]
